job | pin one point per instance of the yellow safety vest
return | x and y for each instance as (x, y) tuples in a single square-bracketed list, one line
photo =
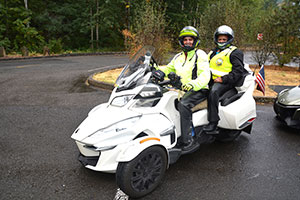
[(220, 64), (183, 66)]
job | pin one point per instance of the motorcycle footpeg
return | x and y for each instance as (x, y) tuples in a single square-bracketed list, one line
[(206, 138), (192, 150), (215, 132)]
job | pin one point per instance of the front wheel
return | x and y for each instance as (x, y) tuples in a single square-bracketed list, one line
[(143, 174), (226, 135)]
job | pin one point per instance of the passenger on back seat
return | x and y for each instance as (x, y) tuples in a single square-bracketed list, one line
[(227, 66)]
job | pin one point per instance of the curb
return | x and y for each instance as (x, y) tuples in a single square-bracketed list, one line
[(62, 55), (263, 99), (109, 86), (99, 84)]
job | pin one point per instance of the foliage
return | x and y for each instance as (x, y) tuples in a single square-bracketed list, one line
[(55, 46), (27, 36), (148, 28), (263, 49), (72, 22), (183, 13), (4, 40), (61, 19), (15, 31), (77, 25), (229, 12), (286, 27), (110, 24)]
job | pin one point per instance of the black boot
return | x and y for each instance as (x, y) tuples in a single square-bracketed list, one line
[(210, 127), (190, 147)]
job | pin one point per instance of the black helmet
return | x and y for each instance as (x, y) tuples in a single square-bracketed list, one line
[(191, 32), (224, 30)]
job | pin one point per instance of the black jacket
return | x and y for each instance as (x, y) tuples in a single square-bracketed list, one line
[(238, 70)]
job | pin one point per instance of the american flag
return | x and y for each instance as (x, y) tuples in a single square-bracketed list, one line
[(260, 80)]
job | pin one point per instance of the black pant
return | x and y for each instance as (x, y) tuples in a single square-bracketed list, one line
[(216, 91), (189, 100)]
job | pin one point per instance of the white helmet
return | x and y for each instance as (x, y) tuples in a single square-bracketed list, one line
[(224, 30)]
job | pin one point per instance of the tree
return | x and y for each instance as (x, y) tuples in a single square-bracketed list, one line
[(78, 24), (66, 20), (17, 33), (183, 13), (148, 28), (229, 12), (263, 48), (286, 27), (4, 40)]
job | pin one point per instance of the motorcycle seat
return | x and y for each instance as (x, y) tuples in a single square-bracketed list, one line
[(230, 96), (235, 93), (227, 98)]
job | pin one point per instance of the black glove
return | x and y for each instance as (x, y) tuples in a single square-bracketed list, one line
[(175, 80), (158, 75)]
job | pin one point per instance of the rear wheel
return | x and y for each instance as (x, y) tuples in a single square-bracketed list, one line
[(143, 174), (226, 135)]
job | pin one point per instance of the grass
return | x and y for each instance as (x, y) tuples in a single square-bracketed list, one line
[(274, 75)]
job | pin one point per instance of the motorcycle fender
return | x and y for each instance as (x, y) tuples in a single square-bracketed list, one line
[(136, 147)]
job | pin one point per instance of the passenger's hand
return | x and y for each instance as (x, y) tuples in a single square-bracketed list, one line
[(187, 87), (218, 80)]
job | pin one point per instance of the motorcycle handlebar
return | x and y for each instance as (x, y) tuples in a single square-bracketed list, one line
[(164, 82)]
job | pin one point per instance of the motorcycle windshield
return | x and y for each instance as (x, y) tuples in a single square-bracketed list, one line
[(136, 68)]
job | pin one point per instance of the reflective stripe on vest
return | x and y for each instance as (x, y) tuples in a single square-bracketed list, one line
[(220, 64)]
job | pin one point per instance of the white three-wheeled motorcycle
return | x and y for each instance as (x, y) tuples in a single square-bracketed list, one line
[(137, 132)]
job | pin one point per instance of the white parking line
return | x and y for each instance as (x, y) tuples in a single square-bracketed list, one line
[(107, 67)]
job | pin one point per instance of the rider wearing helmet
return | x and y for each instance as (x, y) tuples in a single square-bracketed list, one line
[(192, 66), (226, 63), (191, 32)]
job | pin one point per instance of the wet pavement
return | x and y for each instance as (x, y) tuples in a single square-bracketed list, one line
[(42, 102)]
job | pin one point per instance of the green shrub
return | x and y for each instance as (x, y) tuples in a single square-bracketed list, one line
[(148, 28), (55, 46)]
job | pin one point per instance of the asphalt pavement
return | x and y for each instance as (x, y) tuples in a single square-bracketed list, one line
[(248, 58), (43, 101)]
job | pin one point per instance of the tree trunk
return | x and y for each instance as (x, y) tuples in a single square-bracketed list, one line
[(5, 18), (92, 28), (97, 24), (195, 18), (26, 7), (2, 52)]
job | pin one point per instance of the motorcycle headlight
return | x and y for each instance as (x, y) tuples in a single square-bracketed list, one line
[(121, 101), (114, 130)]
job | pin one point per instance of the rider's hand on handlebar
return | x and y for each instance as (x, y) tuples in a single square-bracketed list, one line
[(175, 80), (158, 75)]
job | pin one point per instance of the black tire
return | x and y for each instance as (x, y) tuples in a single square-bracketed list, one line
[(226, 135), (144, 173)]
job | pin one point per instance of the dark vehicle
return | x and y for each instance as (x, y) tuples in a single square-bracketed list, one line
[(287, 107)]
